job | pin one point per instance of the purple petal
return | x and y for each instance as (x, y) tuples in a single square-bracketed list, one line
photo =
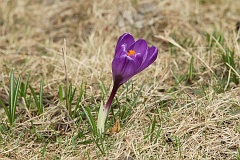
[(151, 57), (140, 46), (123, 69), (123, 42), (138, 59), (126, 38)]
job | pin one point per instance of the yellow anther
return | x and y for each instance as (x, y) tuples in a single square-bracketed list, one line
[(131, 52)]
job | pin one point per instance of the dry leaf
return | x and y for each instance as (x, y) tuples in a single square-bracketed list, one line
[(116, 128)]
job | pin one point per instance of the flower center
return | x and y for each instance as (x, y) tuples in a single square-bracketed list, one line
[(131, 52)]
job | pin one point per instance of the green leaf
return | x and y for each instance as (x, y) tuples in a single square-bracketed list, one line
[(41, 97), (90, 119), (34, 96)]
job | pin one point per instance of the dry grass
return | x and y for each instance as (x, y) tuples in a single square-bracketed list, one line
[(197, 119)]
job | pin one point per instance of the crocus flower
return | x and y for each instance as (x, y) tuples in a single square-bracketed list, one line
[(131, 57)]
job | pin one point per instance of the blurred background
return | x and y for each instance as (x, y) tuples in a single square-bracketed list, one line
[(190, 87)]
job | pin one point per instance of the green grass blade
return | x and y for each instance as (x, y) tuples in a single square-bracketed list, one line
[(16, 91), (136, 97), (157, 135), (41, 97), (34, 96), (23, 91), (90, 119), (72, 95), (153, 128), (44, 149), (11, 96), (102, 87), (5, 109), (26, 86), (238, 154), (191, 69), (82, 90)]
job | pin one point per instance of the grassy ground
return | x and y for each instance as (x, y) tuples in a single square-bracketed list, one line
[(184, 106)]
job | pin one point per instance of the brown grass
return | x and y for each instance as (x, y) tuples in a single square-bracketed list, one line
[(207, 125)]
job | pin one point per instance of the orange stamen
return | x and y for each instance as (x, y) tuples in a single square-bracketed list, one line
[(131, 52)]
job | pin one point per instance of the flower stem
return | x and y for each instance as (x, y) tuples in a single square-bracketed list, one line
[(103, 111), (112, 95)]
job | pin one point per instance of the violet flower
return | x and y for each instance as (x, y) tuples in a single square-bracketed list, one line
[(131, 57)]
